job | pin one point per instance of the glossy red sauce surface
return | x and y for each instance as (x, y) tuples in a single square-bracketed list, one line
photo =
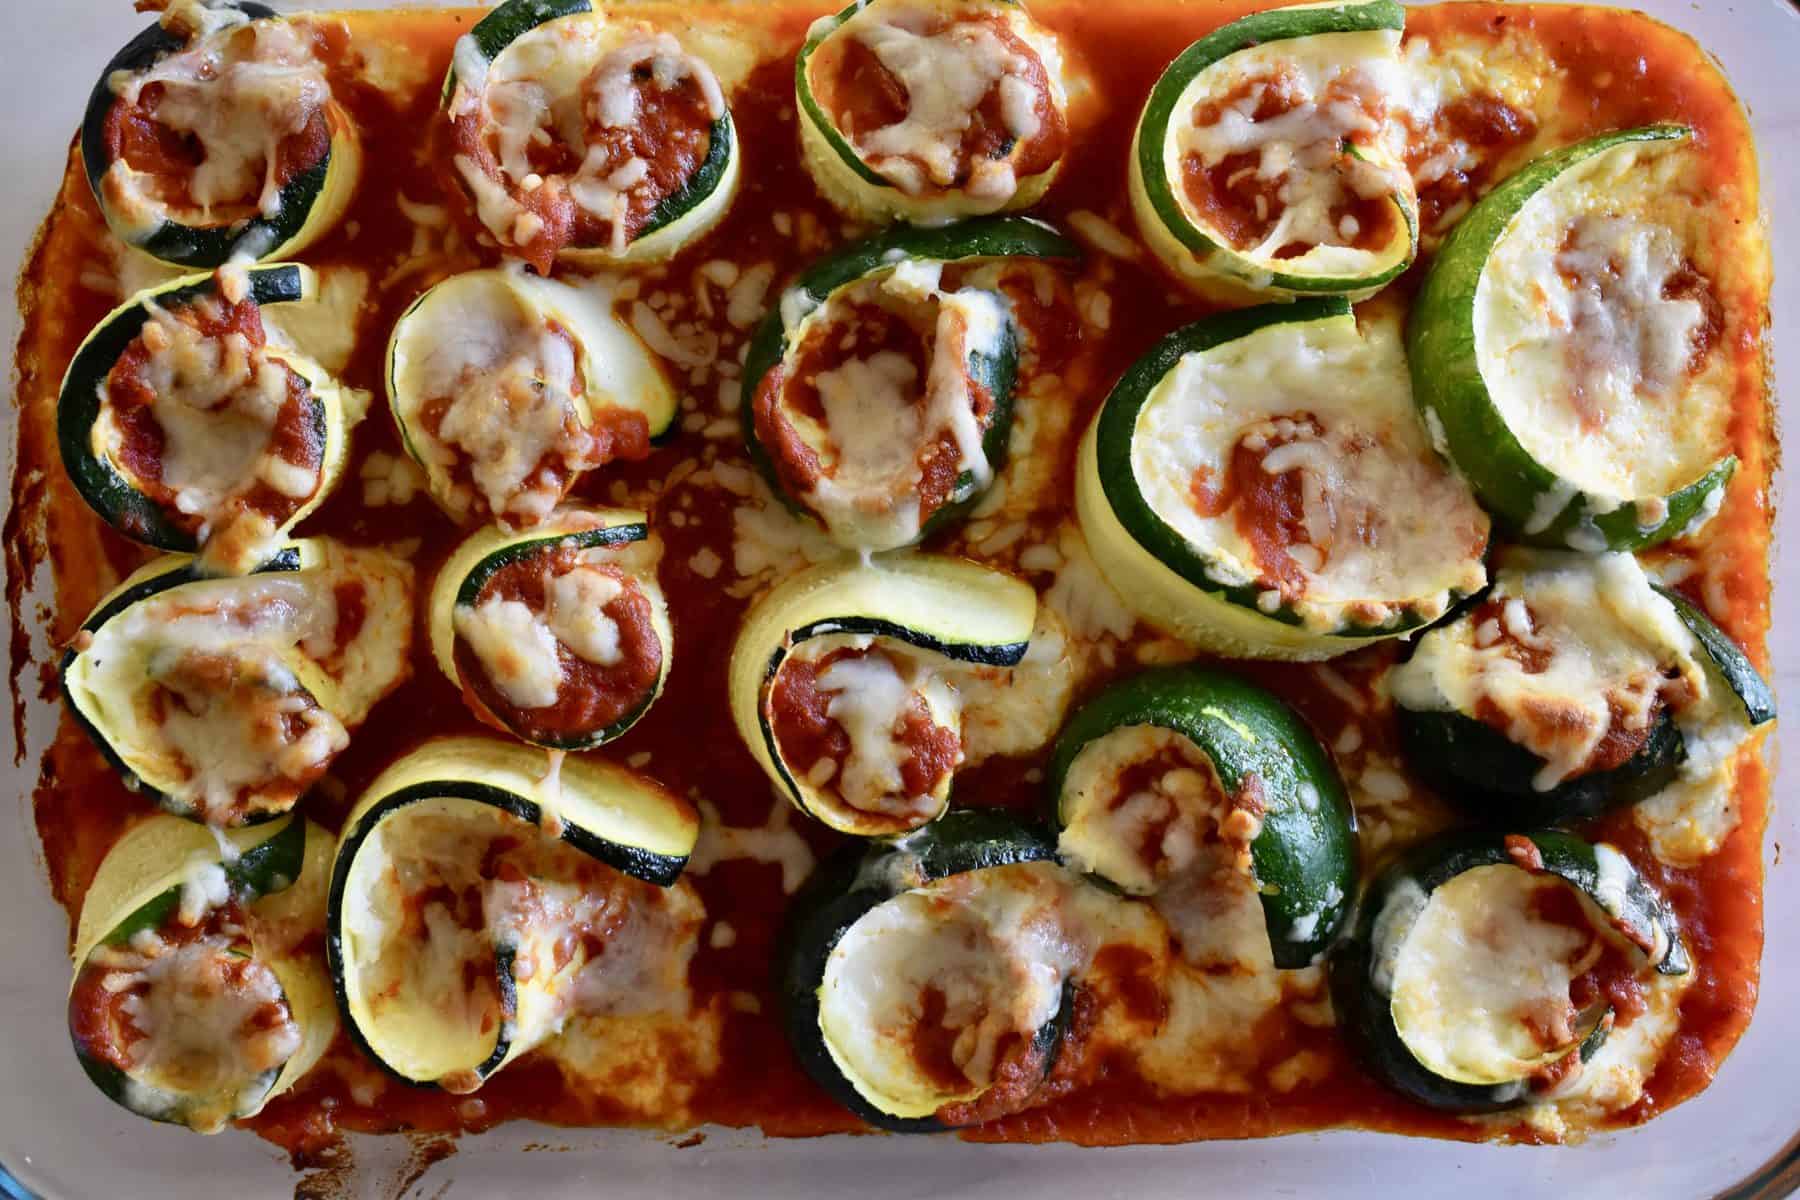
[(693, 747)]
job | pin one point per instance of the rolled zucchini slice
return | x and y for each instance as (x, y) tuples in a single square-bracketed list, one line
[(224, 700), (1567, 347), (1186, 774), (196, 999), (878, 396), (842, 683), (1482, 967), (1259, 485), (507, 387), (473, 892), (585, 137), (929, 110), (879, 938), (186, 428), (1260, 166), (1574, 685), (213, 137), (559, 636)]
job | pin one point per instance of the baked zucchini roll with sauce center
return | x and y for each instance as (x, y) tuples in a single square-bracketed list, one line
[(1261, 163), (224, 700), (1209, 795), (930, 983), (843, 683), (586, 137), (185, 427), (1576, 684), (878, 395), (559, 636), (926, 110), (1259, 484), (1486, 969), (1569, 346), (199, 995), (213, 137), (506, 388), (477, 903)]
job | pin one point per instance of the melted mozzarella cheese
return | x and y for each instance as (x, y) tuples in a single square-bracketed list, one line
[(1386, 522), (577, 614), (1583, 352), (516, 649), (1609, 639)]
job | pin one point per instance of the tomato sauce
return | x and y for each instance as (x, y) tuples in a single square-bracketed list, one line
[(1628, 71)]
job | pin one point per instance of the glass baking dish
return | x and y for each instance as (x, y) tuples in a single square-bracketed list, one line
[(60, 1138)]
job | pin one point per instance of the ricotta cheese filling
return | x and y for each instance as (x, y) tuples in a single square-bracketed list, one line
[(972, 97), (1566, 652), (1597, 330), (868, 727), (201, 415), (1291, 461), (936, 995), (578, 131), (874, 419), (239, 91), (1280, 151), (1483, 977)]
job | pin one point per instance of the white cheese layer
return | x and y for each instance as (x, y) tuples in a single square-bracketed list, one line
[(1589, 326), (1387, 526), (1608, 646)]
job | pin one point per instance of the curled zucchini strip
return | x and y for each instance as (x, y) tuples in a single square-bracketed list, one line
[(1567, 346), (186, 428), (878, 396), (507, 387), (1259, 166), (543, 870), (1575, 685), (559, 636), (842, 683), (539, 84), (1466, 981), (1189, 477), (195, 1000), (877, 932), (1239, 786), (929, 110), (223, 700), (280, 159)]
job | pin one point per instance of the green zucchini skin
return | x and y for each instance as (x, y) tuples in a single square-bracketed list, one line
[(1745, 681), (1148, 171), (1305, 862), (853, 881), (290, 558), (186, 245), (976, 238), (106, 491), (1449, 389), (1364, 1010), (514, 19), (1488, 775)]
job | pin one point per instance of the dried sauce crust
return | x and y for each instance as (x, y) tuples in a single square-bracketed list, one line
[(1145, 1058)]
